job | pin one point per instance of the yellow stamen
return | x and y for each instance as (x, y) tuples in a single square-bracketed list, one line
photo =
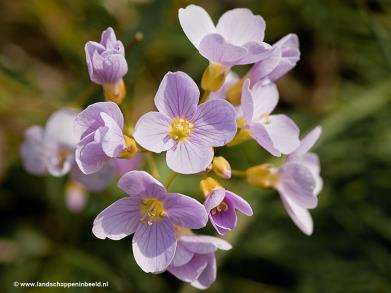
[(180, 129), (222, 207), (263, 176), (152, 210)]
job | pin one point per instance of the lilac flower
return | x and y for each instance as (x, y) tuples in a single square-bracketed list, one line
[(221, 205), (150, 212), (300, 182), (277, 134), (284, 56), (50, 150), (194, 259), (106, 60), (186, 131), (237, 38), (101, 138)]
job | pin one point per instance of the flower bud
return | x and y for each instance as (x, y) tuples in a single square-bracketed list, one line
[(234, 93), (262, 176), (114, 92), (131, 148), (208, 185), (76, 196), (214, 77), (221, 167)]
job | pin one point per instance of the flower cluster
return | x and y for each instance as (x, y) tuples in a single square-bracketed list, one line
[(95, 144)]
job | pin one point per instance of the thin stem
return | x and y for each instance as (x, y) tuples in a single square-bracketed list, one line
[(152, 165), (170, 179), (205, 95), (238, 173)]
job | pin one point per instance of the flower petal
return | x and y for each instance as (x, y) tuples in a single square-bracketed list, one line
[(90, 119), (196, 23), (260, 134), (256, 51), (190, 271), (96, 181), (208, 276), (298, 183), (217, 50), (182, 255), (265, 98), (90, 157), (224, 221), (247, 102), (113, 141), (282, 134), (299, 215), (240, 26), (177, 95), (154, 246), (32, 152), (118, 220), (114, 67), (239, 203), (189, 157), (308, 141), (215, 123), (204, 244), (141, 183), (59, 129), (214, 199), (185, 211), (152, 132)]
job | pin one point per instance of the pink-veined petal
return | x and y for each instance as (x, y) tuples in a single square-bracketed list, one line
[(177, 95), (140, 183), (152, 132), (118, 220), (154, 246), (189, 157), (196, 23)]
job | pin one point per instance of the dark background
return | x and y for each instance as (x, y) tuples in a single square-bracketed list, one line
[(342, 83)]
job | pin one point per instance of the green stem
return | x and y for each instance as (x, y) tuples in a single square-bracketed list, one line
[(152, 165), (170, 179), (238, 173)]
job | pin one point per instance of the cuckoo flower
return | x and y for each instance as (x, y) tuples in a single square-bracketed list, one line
[(222, 204), (150, 212), (194, 259), (51, 149), (236, 39), (283, 57), (186, 131), (300, 182), (100, 129), (277, 134), (106, 60)]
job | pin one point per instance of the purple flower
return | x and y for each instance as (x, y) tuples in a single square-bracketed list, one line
[(300, 182), (51, 149), (237, 38), (106, 60), (221, 205), (101, 138), (277, 134), (150, 212), (194, 259), (186, 131), (284, 56)]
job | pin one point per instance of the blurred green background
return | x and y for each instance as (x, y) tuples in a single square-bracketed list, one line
[(342, 82)]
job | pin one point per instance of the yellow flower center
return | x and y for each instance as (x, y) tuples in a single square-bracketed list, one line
[(152, 210), (222, 207), (180, 129)]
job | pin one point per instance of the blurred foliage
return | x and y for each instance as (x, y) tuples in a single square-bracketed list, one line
[(343, 82)]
